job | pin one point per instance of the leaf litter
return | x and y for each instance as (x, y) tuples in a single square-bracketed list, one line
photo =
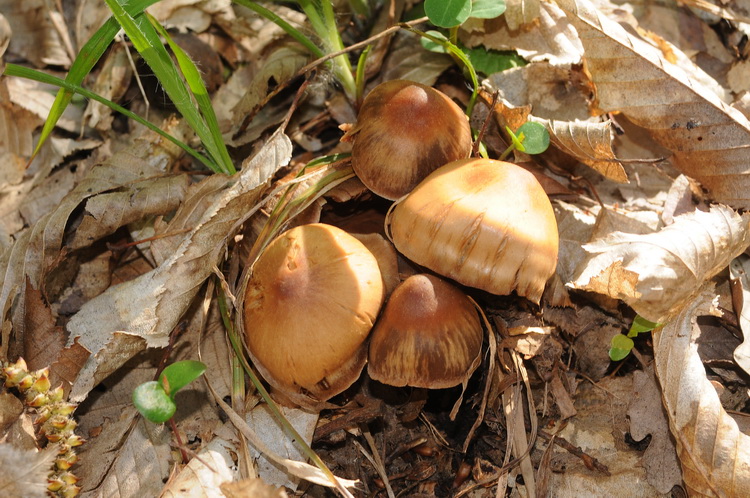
[(107, 242)]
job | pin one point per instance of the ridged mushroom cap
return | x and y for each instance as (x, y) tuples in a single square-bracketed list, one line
[(429, 335), (484, 223)]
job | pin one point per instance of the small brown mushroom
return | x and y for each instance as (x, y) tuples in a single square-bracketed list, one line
[(313, 297), (484, 223), (429, 335), (403, 132)]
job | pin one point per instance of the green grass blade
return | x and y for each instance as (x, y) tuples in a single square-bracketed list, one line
[(146, 40), (31, 74), (288, 28), (195, 82), (82, 65)]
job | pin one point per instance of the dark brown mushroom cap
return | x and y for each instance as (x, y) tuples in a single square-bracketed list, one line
[(484, 223), (429, 335), (404, 131), (309, 306)]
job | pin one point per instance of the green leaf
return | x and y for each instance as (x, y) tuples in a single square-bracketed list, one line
[(432, 45), (31, 74), (198, 88), (89, 55), (536, 137), (620, 347), (641, 325), (153, 403), (492, 61), (487, 9), (447, 13), (179, 374)]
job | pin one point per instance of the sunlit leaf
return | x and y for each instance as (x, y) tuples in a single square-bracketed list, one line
[(536, 137), (179, 374), (447, 13), (620, 347)]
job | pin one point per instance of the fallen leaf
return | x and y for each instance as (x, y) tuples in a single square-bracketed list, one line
[(589, 142), (739, 271), (205, 473), (714, 454), (142, 312), (657, 274), (25, 471), (552, 38), (710, 141), (34, 33), (647, 417)]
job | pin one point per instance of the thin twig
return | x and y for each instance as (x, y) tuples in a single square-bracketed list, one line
[(480, 135)]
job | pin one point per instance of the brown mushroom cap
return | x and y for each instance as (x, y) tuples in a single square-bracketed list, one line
[(309, 306), (404, 131), (484, 223), (429, 335)]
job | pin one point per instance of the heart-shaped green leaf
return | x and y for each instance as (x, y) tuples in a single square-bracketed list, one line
[(536, 137)]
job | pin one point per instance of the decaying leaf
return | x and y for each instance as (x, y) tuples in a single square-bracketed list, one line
[(657, 274), (34, 32), (589, 142), (551, 38), (207, 472), (36, 250), (714, 454), (25, 471), (739, 271), (647, 417), (142, 312), (710, 141)]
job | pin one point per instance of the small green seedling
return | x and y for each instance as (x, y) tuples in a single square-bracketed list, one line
[(530, 137), (155, 399), (622, 344)]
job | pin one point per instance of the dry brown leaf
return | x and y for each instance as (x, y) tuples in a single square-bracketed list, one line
[(142, 312), (715, 455), (5, 34), (545, 87), (204, 475), (111, 83), (34, 32), (406, 60), (647, 417), (551, 38), (710, 141), (240, 96), (106, 212), (521, 12), (739, 271), (251, 488), (44, 339), (192, 15), (37, 250), (25, 471), (589, 142), (657, 274)]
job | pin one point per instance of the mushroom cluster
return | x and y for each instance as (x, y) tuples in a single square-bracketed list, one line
[(315, 293)]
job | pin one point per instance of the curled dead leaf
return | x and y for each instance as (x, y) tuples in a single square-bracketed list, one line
[(657, 274)]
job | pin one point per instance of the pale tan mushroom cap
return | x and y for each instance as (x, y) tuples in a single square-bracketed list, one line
[(309, 306), (484, 223), (429, 335), (404, 131)]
